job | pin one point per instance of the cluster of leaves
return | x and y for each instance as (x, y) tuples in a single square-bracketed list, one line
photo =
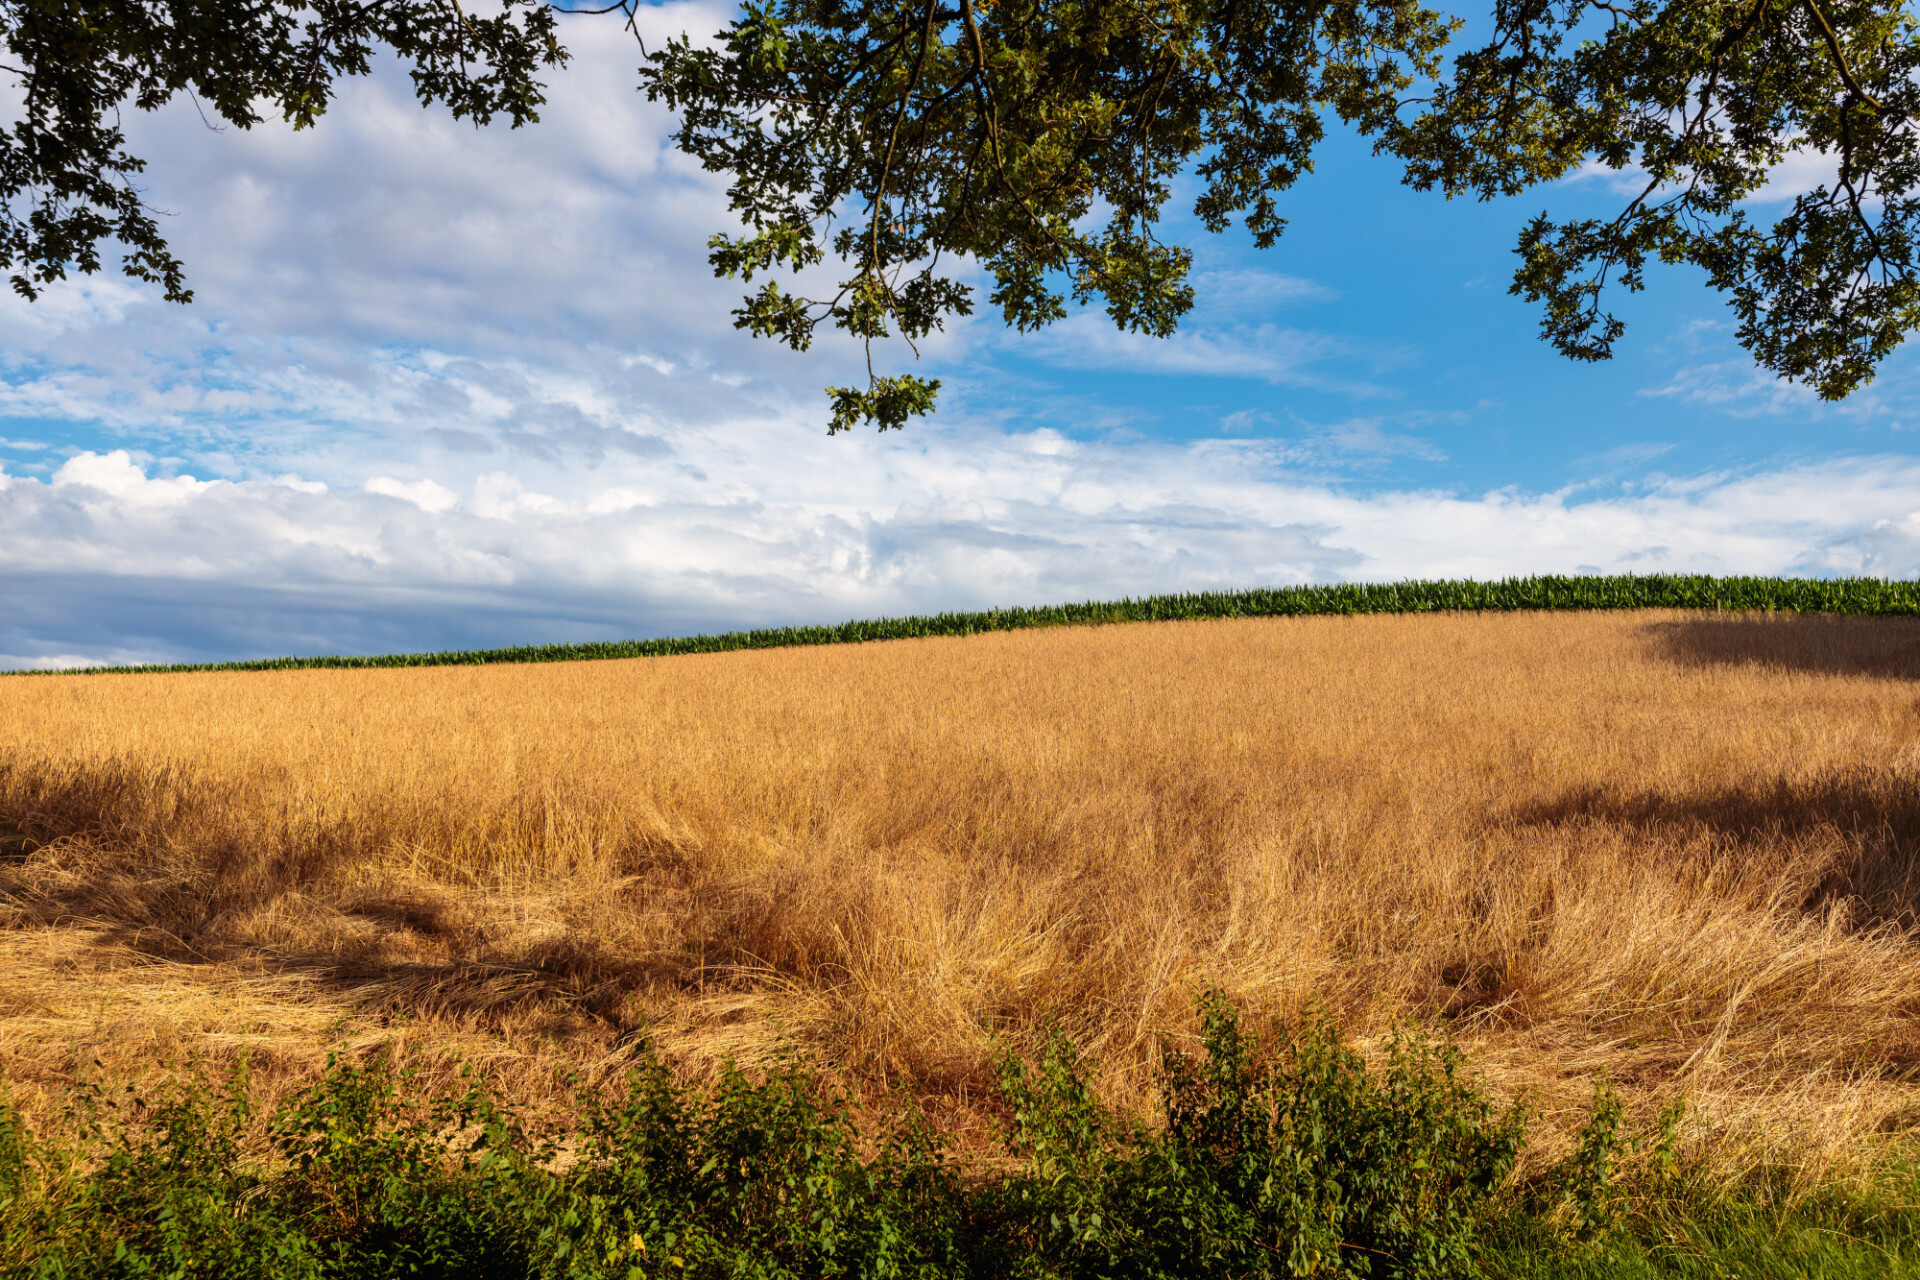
[(1004, 130), (66, 176), (1284, 1159), (1873, 597), (999, 130), (1699, 102)]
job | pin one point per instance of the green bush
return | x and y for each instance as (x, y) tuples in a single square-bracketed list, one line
[(1281, 1158), (1284, 1160)]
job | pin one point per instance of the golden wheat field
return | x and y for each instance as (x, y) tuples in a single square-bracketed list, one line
[(1676, 848)]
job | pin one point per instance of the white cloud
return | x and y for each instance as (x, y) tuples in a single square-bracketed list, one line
[(1737, 387), (1230, 291), (1803, 170), (953, 518), (115, 476), (1265, 352), (424, 494), (1623, 457)]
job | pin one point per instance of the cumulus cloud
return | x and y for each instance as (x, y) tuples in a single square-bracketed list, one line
[(424, 494), (107, 562)]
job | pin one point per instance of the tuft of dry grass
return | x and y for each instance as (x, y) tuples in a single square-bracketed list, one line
[(1676, 848)]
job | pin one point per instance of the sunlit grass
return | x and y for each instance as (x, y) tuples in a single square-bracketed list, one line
[(1677, 848)]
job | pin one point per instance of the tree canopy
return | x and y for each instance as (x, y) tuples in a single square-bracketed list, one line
[(1040, 139), (66, 176)]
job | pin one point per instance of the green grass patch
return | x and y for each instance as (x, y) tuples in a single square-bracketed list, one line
[(1288, 1156), (1831, 1237), (1863, 596)]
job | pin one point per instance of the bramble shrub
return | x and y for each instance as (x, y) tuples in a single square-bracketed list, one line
[(1289, 1159), (1284, 1158)]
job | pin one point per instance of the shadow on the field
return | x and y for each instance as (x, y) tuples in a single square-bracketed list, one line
[(1823, 643), (1851, 836), (404, 950)]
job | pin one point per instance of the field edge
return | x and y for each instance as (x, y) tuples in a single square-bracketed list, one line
[(1866, 597)]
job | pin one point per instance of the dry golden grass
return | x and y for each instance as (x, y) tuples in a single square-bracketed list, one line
[(1678, 848)]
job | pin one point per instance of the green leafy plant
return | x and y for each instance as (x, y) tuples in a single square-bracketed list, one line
[(1282, 1159), (1586, 1179), (1285, 1156)]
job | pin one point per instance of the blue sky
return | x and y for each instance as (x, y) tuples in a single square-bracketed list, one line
[(444, 388)]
